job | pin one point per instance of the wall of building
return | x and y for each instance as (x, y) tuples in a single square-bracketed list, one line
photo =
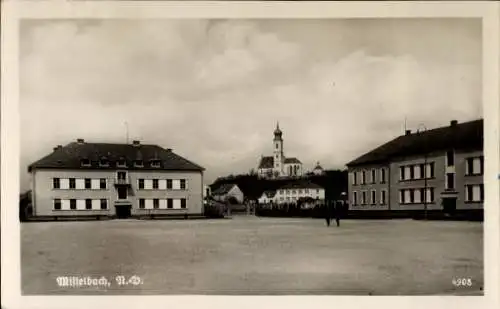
[(296, 193), (437, 182), (44, 194), (370, 185)]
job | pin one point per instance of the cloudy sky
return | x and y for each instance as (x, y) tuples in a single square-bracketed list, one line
[(213, 90)]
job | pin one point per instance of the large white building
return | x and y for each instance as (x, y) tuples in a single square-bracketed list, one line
[(278, 165), (292, 192), (115, 180)]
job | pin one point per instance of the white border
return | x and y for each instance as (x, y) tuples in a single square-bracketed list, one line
[(12, 11)]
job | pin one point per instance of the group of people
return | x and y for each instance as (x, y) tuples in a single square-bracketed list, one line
[(333, 212)]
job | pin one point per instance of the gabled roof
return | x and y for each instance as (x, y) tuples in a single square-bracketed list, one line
[(318, 167), (266, 162), (71, 156), (460, 136), (223, 189), (301, 185), (291, 160)]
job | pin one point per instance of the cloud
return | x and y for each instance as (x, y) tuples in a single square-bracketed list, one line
[(213, 89)]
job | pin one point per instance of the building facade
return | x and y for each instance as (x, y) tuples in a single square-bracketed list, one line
[(279, 165), (115, 180), (292, 192), (226, 191), (434, 170)]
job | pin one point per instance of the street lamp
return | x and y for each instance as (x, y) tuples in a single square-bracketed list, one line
[(425, 168)]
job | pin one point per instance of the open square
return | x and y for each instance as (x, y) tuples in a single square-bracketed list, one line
[(252, 255)]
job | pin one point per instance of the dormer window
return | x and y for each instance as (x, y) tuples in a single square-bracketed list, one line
[(121, 162), (155, 163), (85, 162), (104, 162), (138, 163)]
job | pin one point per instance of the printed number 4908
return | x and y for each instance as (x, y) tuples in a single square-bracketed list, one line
[(462, 282)]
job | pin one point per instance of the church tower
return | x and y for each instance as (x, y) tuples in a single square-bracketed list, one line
[(279, 157)]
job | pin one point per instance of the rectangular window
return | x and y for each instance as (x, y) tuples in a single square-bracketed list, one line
[(374, 177), (430, 195), (418, 171), (170, 203), (353, 177), (382, 175), (417, 196), (176, 185), (155, 163), (140, 183), (474, 166), (80, 204), (96, 204), (72, 204), (408, 197), (373, 197), (163, 204), (450, 158), (363, 177), (57, 204), (104, 203), (402, 173), (401, 196), (408, 172), (474, 193), (422, 171), (72, 183), (102, 183), (148, 184), (177, 204), (88, 183), (162, 184), (96, 184), (363, 198), (121, 163), (121, 175), (412, 171), (65, 205), (155, 184), (450, 181), (382, 197), (169, 184), (431, 172), (64, 183), (56, 184), (88, 204), (142, 203), (156, 203), (80, 184), (183, 184), (138, 163), (183, 203), (355, 198)]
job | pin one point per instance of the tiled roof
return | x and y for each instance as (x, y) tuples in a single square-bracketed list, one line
[(71, 156), (461, 136), (291, 160), (223, 189), (301, 185), (266, 162)]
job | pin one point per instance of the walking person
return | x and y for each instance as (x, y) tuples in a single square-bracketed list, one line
[(326, 210), (337, 213)]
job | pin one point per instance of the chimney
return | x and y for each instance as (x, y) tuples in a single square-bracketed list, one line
[(136, 143), (58, 147), (453, 123), (80, 141), (407, 132)]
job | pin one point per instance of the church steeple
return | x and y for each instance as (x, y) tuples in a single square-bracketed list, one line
[(277, 132), (278, 157)]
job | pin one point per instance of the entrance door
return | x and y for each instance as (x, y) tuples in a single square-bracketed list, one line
[(449, 205), (123, 211)]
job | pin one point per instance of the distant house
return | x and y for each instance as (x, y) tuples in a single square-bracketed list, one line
[(439, 169), (267, 197), (226, 191)]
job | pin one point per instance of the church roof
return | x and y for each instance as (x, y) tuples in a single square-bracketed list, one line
[(292, 160), (269, 194), (318, 167), (266, 162)]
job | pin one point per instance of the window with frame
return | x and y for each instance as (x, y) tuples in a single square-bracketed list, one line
[(72, 183), (474, 193), (72, 204), (142, 203), (402, 175), (450, 158), (450, 181), (363, 177), (138, 163), (474, 166), (155, 184), (183, 203), (57, 204), (155, 163), (102, 183), (169, 184), (85, 162), (383, 197), (121, 162), (183, 184), (88, 183), (56, 183), (354, 178), (104, 203), (104, 162), (88, 204), (170, 203), (140, 183), (363, 198), (355, 198), (373, 197), (382, 175), (374, 176), (156, 203)]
